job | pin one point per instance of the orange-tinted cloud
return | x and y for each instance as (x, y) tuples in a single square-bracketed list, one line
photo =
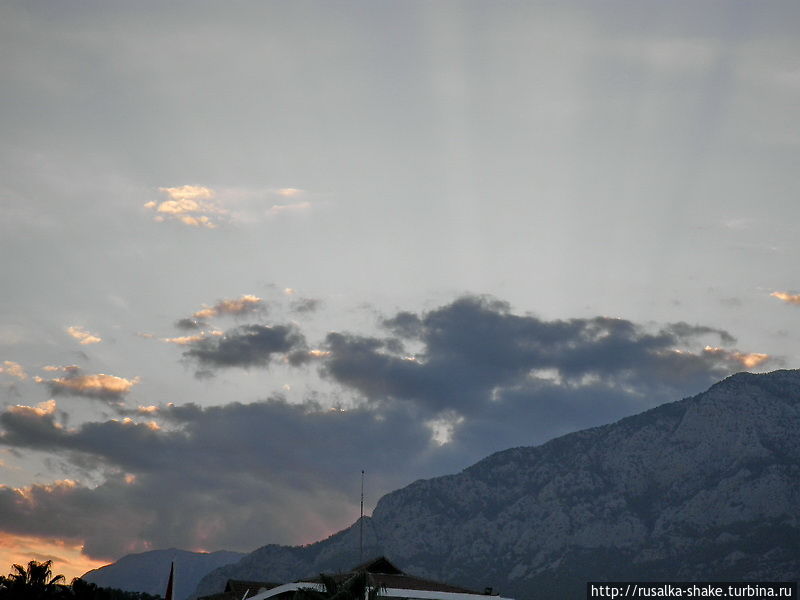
[(752, 359), (749, 360), (787, 297), (9, 367), (66, 554), (237, 306), (100, 385), (83, 336), (186, 340), (40, 410), (192, 205)]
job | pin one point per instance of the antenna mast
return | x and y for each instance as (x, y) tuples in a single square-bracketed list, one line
[(361, 523)]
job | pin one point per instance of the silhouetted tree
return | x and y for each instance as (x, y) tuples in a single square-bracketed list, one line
[(356, 587), (35, 581), (84, 590)]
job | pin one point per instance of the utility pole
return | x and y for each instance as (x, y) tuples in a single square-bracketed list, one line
[(361, 523)]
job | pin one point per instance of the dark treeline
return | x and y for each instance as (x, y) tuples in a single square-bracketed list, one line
[(36, 581)]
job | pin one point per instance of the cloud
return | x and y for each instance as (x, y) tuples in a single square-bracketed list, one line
[(97, 386), (9, 367), (787, 297), (187, 340), (749, 360), (440, 388), (305, 305), (83, 336), (190, 324), (203, 207), (247, 346), (476, 348), (191, 205), (404, 324), (293, 208), (237, 307), (214, 477), (293, 203), (685, 332), (65, 553), (290, 192), (32, 425)]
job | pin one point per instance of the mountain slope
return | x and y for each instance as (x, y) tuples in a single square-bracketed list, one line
[(704, 488), (148, 571)]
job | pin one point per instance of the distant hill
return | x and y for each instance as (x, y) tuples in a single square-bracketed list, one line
[(148, 572), (700, 489)]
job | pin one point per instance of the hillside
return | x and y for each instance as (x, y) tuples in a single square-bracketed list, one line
[(703, 488), (148, 571)]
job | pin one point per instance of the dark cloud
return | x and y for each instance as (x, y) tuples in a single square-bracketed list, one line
[(685, 332), (405, 324), (29, 426), (475, 348), (480, 378), (233, 476), (305, 305), (190, 324), (246, 346)]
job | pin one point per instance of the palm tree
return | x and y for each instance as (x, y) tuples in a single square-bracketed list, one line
[(33, 582)]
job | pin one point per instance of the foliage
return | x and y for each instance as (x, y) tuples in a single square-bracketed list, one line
[(36, 581), (355, 587), (32, 582), (83, 590)]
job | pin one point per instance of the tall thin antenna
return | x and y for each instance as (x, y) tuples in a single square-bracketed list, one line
[(361, 523)]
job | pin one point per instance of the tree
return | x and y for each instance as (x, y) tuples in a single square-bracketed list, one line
[(356, 587), (84, 590), (35, 581)]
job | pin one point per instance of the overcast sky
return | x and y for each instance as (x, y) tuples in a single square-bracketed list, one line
[(251, 248)]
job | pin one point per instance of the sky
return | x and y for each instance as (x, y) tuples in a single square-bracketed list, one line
[(252, 248)]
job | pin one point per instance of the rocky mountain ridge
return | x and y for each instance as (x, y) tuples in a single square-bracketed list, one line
[(703, 488)]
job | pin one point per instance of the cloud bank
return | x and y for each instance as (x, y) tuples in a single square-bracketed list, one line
[(428, 393)]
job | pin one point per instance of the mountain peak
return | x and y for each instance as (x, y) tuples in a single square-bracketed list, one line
[(701, 488), (148, 571)]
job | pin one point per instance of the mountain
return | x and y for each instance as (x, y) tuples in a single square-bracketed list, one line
[(700, 489), (148, 572)]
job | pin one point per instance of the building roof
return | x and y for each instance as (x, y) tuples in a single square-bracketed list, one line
[(236, 589), (251, 588), (378, 564), (391, 581), (381, 573)]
